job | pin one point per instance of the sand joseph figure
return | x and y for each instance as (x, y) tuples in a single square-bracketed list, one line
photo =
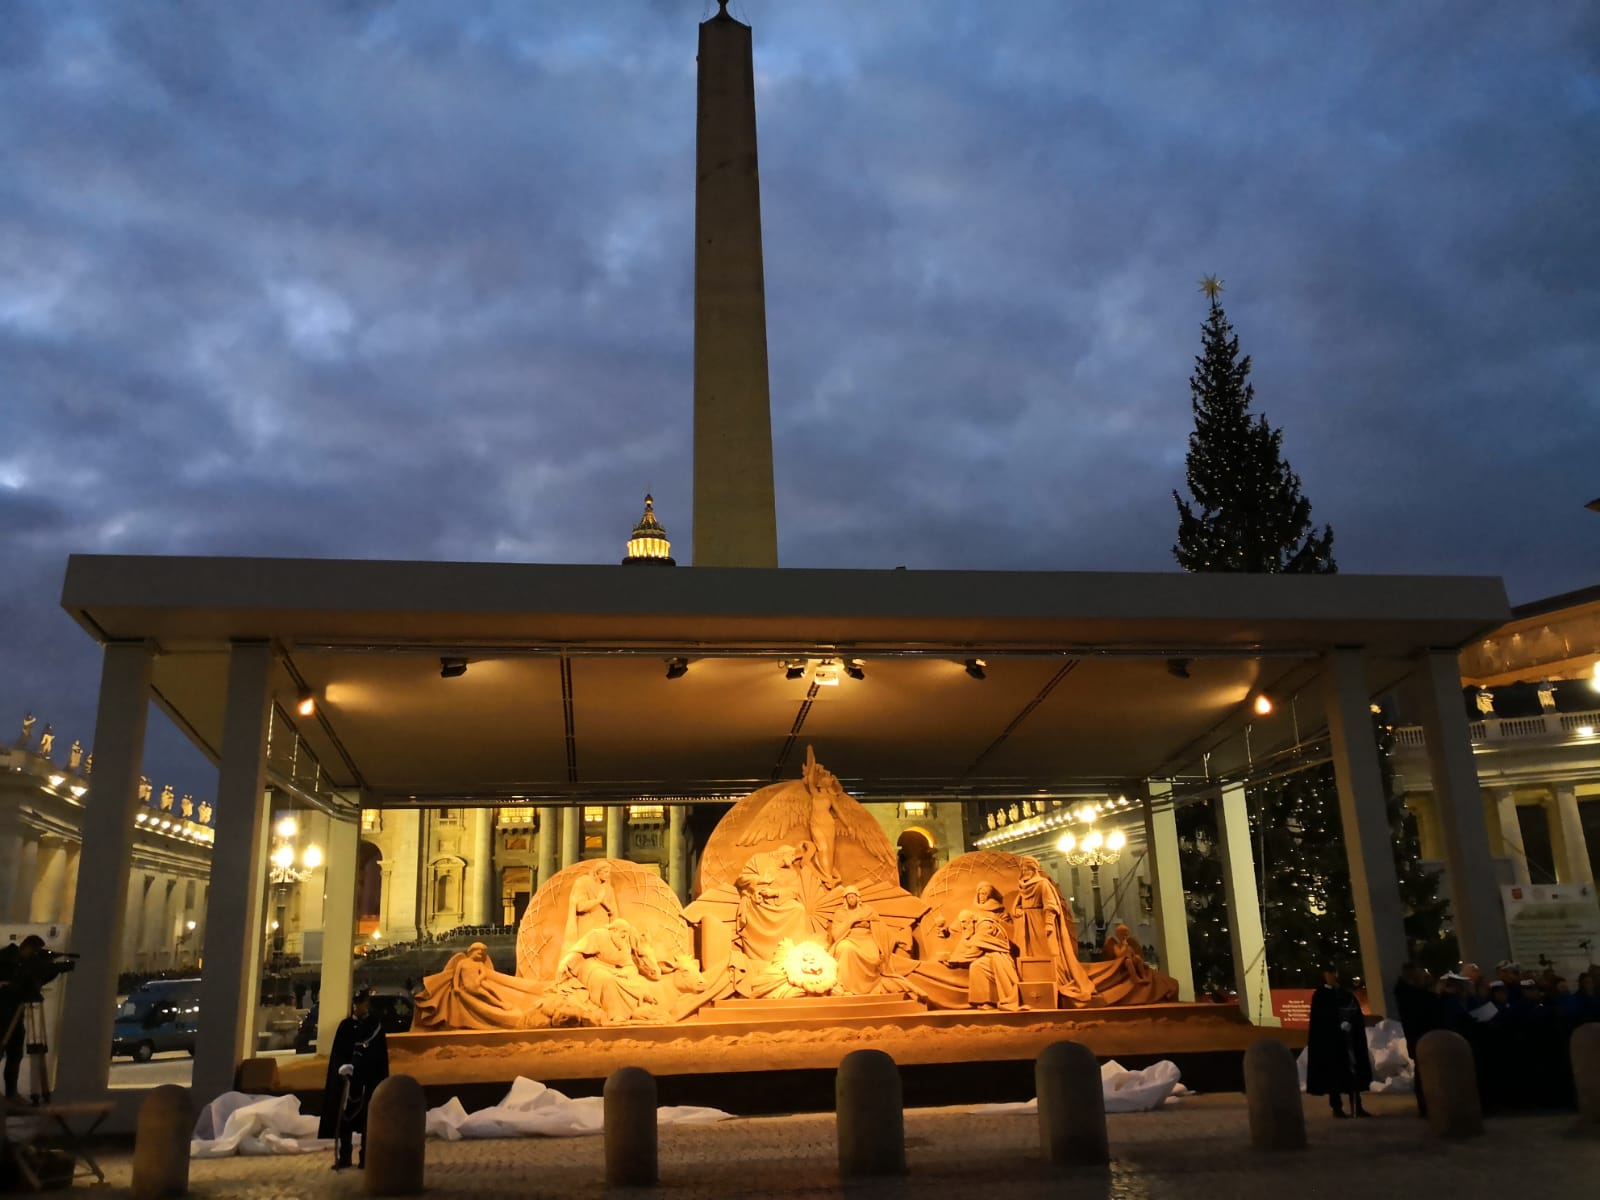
[(617, 971), (592, 905)]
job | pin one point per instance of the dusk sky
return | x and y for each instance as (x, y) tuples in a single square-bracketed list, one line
[(413, 281)]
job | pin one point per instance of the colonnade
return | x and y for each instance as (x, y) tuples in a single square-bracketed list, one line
[(1461, 841)]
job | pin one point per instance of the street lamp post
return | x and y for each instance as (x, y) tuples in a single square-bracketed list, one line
[(1094, 851)]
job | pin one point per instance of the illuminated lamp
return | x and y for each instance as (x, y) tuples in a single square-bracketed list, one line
[(283, 857), (1595, 682), (1065, 843), (975, 667), (1092, 840), (1262, 705), (854, 669), (1117, 840), (452, 668), (794, 670), (312, 858), (677, 668), (826, 674), (307, 704), (287, 827)]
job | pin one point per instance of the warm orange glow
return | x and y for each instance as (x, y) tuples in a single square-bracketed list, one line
[(1263, 705), (307, 706)]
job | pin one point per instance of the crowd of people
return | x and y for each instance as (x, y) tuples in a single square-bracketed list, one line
[(1517, 1022)]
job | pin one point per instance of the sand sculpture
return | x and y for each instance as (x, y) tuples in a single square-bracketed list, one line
[(797, 898)]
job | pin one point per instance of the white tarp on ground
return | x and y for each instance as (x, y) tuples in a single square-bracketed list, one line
[(1125, 1090), (1391, 1065), (235, 1123)]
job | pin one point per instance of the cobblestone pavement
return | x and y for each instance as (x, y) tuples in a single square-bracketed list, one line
[(1200, 1147)]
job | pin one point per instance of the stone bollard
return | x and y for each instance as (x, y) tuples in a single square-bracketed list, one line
[(1072, 1106), (630, 1113), (161, 1144), (870, 1119), (1450, 1081), (394, 1145), (1584, 1049), (1272, 1092)]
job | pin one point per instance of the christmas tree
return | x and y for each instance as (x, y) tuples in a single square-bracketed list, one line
[(1247, 514), (1252, 516)]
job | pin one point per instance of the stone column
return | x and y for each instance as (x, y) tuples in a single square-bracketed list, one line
[(1426, 815), (549, 844), (676, 814), (571, 836), (1166, 883), (69, 885), (102, 900), (338, 928), (20, 908), (1474, 895), (617, 831), (1364, 815), (1509, 829), (481, 904), (1571, 847), (400, 885), (1244, 907), (10, 858), (735, 517), (50, 875), (133, 922), (231, 983)]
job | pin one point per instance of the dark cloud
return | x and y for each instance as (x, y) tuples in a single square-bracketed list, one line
[(412, 280)]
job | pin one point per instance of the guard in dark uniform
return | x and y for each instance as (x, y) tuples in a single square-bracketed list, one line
[(357, 1064), (1337, 1061)]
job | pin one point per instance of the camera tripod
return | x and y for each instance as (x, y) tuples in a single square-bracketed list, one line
[(35, 1048)]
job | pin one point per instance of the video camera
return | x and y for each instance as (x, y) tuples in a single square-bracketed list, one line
[(29, 975)]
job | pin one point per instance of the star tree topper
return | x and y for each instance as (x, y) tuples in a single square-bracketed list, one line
[(1212, 287)]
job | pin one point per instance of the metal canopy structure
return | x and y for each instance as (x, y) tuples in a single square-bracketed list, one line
[(1091, 679)]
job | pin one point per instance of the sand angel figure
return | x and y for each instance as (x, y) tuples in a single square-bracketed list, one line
[(809, 810)]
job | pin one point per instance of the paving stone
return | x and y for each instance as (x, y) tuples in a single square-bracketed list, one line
[(1200, 1147)]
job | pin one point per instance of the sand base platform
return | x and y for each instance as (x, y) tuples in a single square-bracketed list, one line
[(752, 1062)]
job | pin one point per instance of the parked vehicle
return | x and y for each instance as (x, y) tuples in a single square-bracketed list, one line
[(157, 1016), (394, 1005)]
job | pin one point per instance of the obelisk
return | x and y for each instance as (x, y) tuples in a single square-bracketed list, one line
[(735, 517)]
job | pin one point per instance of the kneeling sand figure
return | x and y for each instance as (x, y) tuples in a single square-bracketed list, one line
[(618, 972), (985, 951), (470, 994), (1125, 978)]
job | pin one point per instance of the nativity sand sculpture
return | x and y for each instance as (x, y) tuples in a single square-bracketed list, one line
[(797, 899)]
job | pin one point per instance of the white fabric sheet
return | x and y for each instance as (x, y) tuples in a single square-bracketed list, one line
[(1391, 1065), (1124, 1090), (235, 1123)]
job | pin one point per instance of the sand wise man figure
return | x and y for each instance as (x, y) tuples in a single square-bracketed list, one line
[(811, 807)]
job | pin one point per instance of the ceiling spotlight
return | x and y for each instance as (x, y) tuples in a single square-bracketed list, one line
[(677, 668), (452, 668), (826, 674), (794, 670), (1263, 705), (307, 703), (1178, 667), (853, 668), (975, 667)]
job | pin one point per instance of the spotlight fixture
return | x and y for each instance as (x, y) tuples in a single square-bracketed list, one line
[(452, 668), (1263, 705), (794, 670), (826, 674), (307, 703), (677, 668), (975, 667), (1178, 667), (853, 667)]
